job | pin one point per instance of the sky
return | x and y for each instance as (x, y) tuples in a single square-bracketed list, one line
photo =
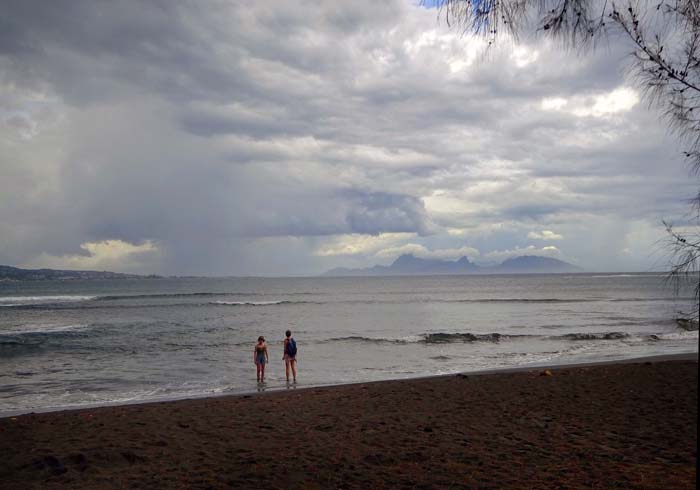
[(288, 138)]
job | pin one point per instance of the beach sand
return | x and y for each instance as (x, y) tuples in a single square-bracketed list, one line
[(627, 426)]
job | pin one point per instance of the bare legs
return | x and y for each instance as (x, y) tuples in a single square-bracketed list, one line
[(260, 366), (293, 364)]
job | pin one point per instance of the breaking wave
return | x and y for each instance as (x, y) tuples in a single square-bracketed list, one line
[(163, 295), (426, 338), (42, 300), (33, 336), (42, 329), (257, 303), (167, 300), (121, 297), (675, 336), (468, 337)]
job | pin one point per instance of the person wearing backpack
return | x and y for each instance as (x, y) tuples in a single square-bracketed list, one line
[(290, 355)]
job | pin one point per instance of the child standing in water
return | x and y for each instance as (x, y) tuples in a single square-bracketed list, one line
[(290, 355), (260, 358)]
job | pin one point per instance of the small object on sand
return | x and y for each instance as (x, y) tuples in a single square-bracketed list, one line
[(546, 372), (462, 376), (50, 463)]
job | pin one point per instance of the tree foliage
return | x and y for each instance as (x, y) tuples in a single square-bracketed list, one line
[(665, 63)]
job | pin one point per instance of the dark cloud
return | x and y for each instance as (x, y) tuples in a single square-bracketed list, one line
[(380, 212), (240, 137)]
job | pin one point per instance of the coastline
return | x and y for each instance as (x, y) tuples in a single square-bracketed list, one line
[(628, 424), (688, 356)]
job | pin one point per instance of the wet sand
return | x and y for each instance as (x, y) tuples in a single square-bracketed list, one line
[(626, 425)]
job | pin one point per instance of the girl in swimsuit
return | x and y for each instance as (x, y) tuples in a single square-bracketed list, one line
[(260, 358)]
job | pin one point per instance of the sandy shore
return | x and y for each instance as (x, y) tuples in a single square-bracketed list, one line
[(624, 425)]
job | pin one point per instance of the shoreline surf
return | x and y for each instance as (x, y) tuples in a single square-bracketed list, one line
[(300, 387)]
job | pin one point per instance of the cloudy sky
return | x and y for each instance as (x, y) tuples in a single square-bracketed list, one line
[(274, 138)]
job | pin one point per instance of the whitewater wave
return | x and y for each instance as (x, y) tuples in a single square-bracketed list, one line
[(377, 340), (39, 300), (257, 303), (122, 297), (97, 305), (436, 300), (119, 297), (676, 336), (468, 337), (23, 339), (121, 301), (39, 329), (427, 338)]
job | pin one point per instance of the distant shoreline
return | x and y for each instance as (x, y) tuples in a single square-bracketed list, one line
[(38, 275)]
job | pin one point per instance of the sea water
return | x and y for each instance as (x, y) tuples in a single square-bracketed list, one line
[(86, 342)]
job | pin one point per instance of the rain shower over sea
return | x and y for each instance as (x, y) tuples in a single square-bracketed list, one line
[(87, 342)]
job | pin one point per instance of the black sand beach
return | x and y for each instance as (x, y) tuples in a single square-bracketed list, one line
[(624, 425)]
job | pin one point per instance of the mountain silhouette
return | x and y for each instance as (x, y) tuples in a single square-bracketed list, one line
[(409, 264)]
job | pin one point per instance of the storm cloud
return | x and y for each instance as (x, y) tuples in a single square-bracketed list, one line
[(278, 138)]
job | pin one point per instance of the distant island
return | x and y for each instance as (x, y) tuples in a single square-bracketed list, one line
[(409, 264), (8, 273), (405, 265)]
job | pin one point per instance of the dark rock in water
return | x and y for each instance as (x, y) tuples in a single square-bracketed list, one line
[(654, 337), (435, 338), (438, 338), (687, 324), (596, 336)]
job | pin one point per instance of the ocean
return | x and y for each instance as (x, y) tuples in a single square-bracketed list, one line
[(89, 342)]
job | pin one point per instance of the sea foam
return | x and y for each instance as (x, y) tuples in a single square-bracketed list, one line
[(38, 300)]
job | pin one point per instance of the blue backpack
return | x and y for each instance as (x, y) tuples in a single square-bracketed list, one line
[(291, 348)]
